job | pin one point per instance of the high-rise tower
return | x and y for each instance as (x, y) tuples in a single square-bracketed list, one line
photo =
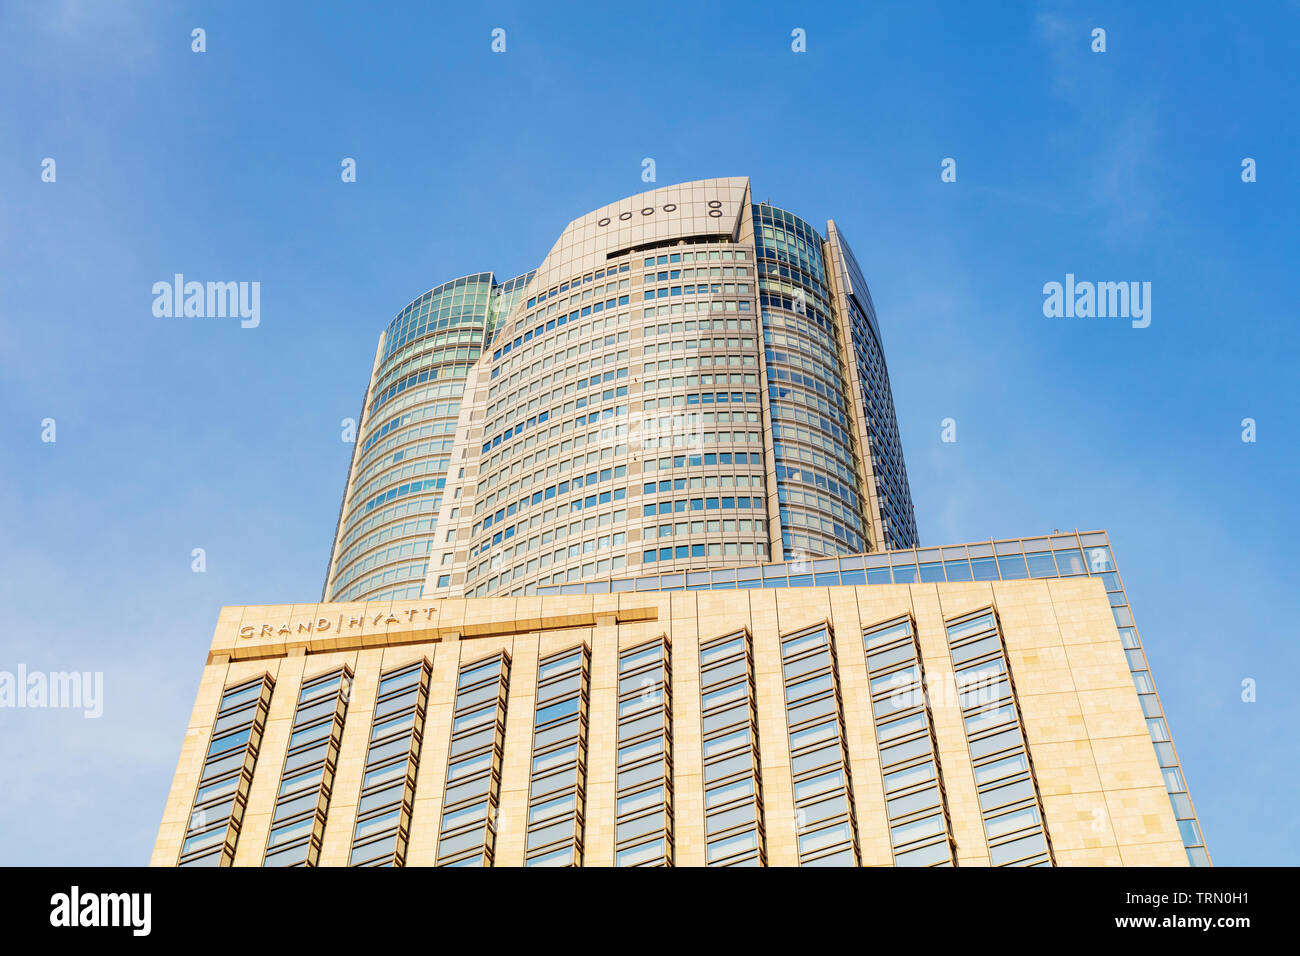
[(691, 380), (406, 434)]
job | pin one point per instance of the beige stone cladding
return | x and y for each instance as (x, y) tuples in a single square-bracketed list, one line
[(1101, 790)]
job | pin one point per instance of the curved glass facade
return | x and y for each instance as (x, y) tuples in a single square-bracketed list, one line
[(407, 432), (817, 478), (887, 487)]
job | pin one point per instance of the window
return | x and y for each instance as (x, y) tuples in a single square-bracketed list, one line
[(298, 823), (392, 756), (644, 784), (1004, 771), (557, 786), (919, 826), (825, 822), (733, 800), (218, 811), (467, 836)]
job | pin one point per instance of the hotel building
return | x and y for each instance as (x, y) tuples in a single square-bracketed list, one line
[(519, 657)]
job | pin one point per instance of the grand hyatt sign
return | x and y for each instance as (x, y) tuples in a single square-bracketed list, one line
[(339, 625)]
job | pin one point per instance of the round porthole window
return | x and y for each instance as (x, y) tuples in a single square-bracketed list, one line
[(625, 215), (647, 210), (672, 206), (603, 222), (715, 204), (715, 213)]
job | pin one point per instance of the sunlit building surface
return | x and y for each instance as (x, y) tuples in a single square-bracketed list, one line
[(521, 656), (986, 704)]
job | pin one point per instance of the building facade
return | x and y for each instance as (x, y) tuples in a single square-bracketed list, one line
[(520, 657), (992, 712), (405, 436), (683, 340), (691, 380)]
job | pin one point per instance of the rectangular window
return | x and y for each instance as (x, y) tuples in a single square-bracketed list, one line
[(298, 823), (644, 785), (919, 826), (825, 822), (467, 836), (388, 783), (1004, 771), (557, 787), (733, 823), (218, 811)]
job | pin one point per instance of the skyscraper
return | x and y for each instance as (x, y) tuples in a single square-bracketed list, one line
[(683, 340), (406, 433), (520, 657)]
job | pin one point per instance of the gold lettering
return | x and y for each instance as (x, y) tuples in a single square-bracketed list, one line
[(267, 629), (246, 631), (323, 624)]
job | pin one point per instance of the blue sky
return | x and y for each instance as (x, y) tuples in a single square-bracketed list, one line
[(174, 434)]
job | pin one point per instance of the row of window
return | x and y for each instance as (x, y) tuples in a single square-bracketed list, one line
[(696, 307), (467, 830), (411, 449), (574, 283), (595, 308), (559, 489), (218, 812), (1004, 780), (738, 324), (712, 527), (644, 775), (518, 407), (825, 816), (425, 466), (430, 350), (423, 527), (606, 442), (559, 556), (512, 398), (555, 532), (682, 505), (710, 272), (704, 288), (704, 459), (920, 830), (466, 355), (701, 255), (557, 783), (826, 825), (487, 498), (552, 351), (698, 398), (383, 823), (733, 788), (307, 778), (711, 549), (697, 345), (446, 306), (408, 418)]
